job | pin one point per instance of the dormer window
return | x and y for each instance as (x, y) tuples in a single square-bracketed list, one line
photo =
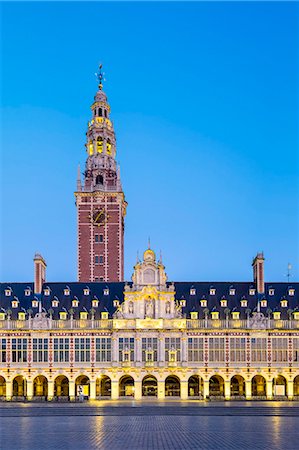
[(232, 291), (95, 303), (47, 291), (271, 291), (55, 303), (2, 316), (15, 303), (27, 292), (251, 291), (264, 303), (215, 315), (21, 316), (235, 315), (106, 291), (244, 303), (116, 303), (63, 315), (296, 315), (86, 291), (75, 303), (34, 304), (8, 292), (212, 291), (83, 315), (66, 291), (104, 315), (192, 291), (223, 303), (291, 292), (276, 315), (284, 303), (183, 303), (194, 315), (203, 303)]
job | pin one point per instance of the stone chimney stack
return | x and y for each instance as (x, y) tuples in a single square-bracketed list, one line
[(39, 273), (258, 272)]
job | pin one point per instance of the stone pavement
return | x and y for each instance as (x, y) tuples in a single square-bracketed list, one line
[(147, 425)]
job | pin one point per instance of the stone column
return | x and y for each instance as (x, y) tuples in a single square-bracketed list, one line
[(114, 390), (184, 390), (8, 390), (161, 389), (161, 354), (50, 390), (92, 389), (227, 389), (206, 388), (138, 390), (29, 390), (72, 390), (269, 389), (290, 389), (248, 392)]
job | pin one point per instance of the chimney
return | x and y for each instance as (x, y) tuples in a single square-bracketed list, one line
[(258, 272), (39, 273)]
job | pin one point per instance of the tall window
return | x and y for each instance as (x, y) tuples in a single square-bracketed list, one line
[(258, 349), (103, 349), (2, 350), (19, 350), (126, 349), (173, 344), (216, 349), (40, 350), (279, 349), (195, 349), (296, 350), (149, 349), (61, 349), (237, 349), (82, 349)]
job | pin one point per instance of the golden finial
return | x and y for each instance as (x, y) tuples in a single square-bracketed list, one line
[(100, 76)]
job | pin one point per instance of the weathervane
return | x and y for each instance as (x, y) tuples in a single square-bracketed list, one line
[(288, 275), (100, 76)]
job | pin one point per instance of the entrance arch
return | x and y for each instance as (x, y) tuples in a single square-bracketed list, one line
[(149, 386), (2, 387), (82, 386), (19, 386), (40, 386), (172, 386), (237, 386), (61, 387), (258, 386), (216, 386), (126, 386), (296, 386), (279, 386), (195, 386), (103, 386)]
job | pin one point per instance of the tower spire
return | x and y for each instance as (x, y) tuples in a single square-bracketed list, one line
[(79, 185), (100, 76)]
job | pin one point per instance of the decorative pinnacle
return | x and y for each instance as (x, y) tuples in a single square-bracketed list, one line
[(100, 76)]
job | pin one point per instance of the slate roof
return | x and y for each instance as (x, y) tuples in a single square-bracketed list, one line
[(182, 292)]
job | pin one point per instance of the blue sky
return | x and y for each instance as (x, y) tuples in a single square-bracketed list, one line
[(204, 99)]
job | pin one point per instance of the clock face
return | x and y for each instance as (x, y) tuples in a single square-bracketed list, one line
[(99, 217)]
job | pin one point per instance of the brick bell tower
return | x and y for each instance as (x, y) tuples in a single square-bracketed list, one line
[(100, 201)]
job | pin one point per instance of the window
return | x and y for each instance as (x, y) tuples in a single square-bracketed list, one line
[(61, 350), (34, 304), (83, 315), (96, 259), (2, 316), (27, 292), (279, 349), (62, 315), (46, 291), (86, 291), (100, 112), (66, 292), (223, 303), (216, 349), (97, 278), (284, 303), (194, 315), (215, 315), (95, 303), (237, 349), (258, 349), (195, 349), (101, 238), (103, 349), (296, 350), (99, 150), (40, 350), (2, 350), (101, 259), (106, 291), (296, 315), (236, 315), (212, 291), (292, 292), (264, 303), (55, 303), (182, 303), (244, 303), (276, 315), (19, 350), (271, 291), (126, 349), (96, 238), (21, 316), (192, 291), (104, 315), (116, 303), (172, 344), (149, 347), (203, 303), (232, 291), (251, 291), (101, 279), (99, 179), (75, 303), (14, 303), (8, 292), (82, 349)]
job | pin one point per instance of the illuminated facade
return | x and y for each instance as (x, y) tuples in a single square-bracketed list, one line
[(105, 338)]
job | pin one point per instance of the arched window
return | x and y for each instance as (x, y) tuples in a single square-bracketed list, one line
[(90, 147), (105, 112), (100, 112), (108, 147), (99, 145), (99, 179)]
